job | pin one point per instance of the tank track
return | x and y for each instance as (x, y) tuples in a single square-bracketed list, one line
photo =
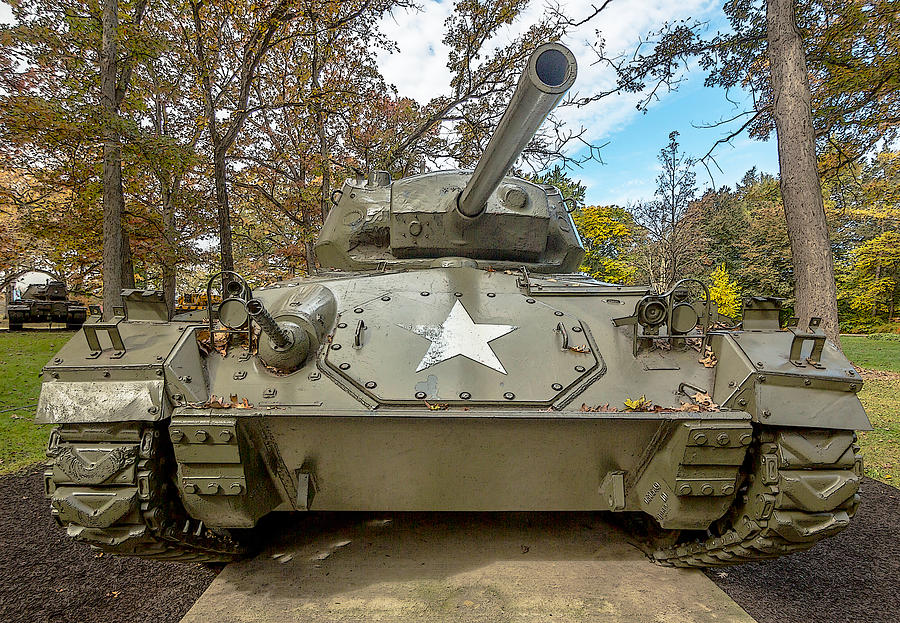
[(110, 486), (800, 486)]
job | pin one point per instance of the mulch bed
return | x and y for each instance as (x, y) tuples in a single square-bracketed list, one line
[(854, 576), (48, 577)]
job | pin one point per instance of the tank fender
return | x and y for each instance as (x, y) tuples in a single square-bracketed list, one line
[(755, 373), (69, 402)]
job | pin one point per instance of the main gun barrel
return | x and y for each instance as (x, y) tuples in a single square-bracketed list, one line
[(280, 337), (550, 72)]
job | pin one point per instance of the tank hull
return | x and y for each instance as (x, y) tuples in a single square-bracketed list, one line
[(449, 389)]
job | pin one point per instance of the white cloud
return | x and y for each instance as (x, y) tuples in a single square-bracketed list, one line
[(419, 70)]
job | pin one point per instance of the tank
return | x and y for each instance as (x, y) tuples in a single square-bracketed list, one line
[(450, 357), (46, 303)]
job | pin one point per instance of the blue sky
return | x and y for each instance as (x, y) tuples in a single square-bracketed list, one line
[(630, 159)]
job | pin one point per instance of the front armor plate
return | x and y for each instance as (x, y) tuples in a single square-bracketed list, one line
[(405, 348)]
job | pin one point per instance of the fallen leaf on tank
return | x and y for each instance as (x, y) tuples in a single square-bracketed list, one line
[(604, 408), (688, 406), (580, 349), (214, 402), (637, 404), (436, 406), (709, 360), (243, 403), (705, 402)]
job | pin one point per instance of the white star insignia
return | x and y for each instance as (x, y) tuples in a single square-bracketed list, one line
[(459, 335)]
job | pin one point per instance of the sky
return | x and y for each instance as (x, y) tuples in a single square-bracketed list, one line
[(633, 139)]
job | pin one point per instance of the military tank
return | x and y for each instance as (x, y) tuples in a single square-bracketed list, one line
[(453, 359), (46, 302)]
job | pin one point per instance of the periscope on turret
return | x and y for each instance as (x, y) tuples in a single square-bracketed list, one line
[(450, 357)]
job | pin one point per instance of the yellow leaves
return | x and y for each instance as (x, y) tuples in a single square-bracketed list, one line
[(637, 404), (436, 406), (724, 292), (581, 348)]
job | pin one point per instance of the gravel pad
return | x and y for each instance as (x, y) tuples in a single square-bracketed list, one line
[(854, 576), (49, 577)]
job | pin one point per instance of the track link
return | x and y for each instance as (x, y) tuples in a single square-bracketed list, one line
[(109, 486), (800, 487)]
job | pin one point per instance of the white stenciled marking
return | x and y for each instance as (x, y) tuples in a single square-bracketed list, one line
[(459, 335)]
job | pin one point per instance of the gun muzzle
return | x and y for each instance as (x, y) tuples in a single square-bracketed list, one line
[(551, 70)]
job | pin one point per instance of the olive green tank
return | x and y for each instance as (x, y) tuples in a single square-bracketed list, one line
[(46, 302), (451, 358)]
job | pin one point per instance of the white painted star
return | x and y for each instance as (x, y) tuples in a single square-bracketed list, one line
[(459, 335)]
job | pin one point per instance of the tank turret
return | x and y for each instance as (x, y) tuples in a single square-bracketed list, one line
[(485, 215)]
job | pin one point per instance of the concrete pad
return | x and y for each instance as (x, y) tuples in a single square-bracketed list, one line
[(469, 567)]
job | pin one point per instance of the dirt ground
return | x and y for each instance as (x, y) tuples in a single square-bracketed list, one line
[(47, 577), (852, 577)]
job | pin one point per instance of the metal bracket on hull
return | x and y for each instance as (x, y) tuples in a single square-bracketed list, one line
[(612, 491)]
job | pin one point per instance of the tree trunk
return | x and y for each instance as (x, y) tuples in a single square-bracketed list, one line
[(113, 199), (169, 254), (801, 190), (315, 81), (224, 215), (127, 260)]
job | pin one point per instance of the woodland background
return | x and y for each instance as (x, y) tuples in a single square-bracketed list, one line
[(234, 121)]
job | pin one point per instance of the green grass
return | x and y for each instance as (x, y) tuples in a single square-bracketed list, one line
[(881, 398), (879, 351), (881, 447), (22, 355)]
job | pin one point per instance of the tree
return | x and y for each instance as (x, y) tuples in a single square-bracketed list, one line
[(118, 271), (804, 207), (871, 282), (572, 190), (724, 292), (670, 235), (607, 233)]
